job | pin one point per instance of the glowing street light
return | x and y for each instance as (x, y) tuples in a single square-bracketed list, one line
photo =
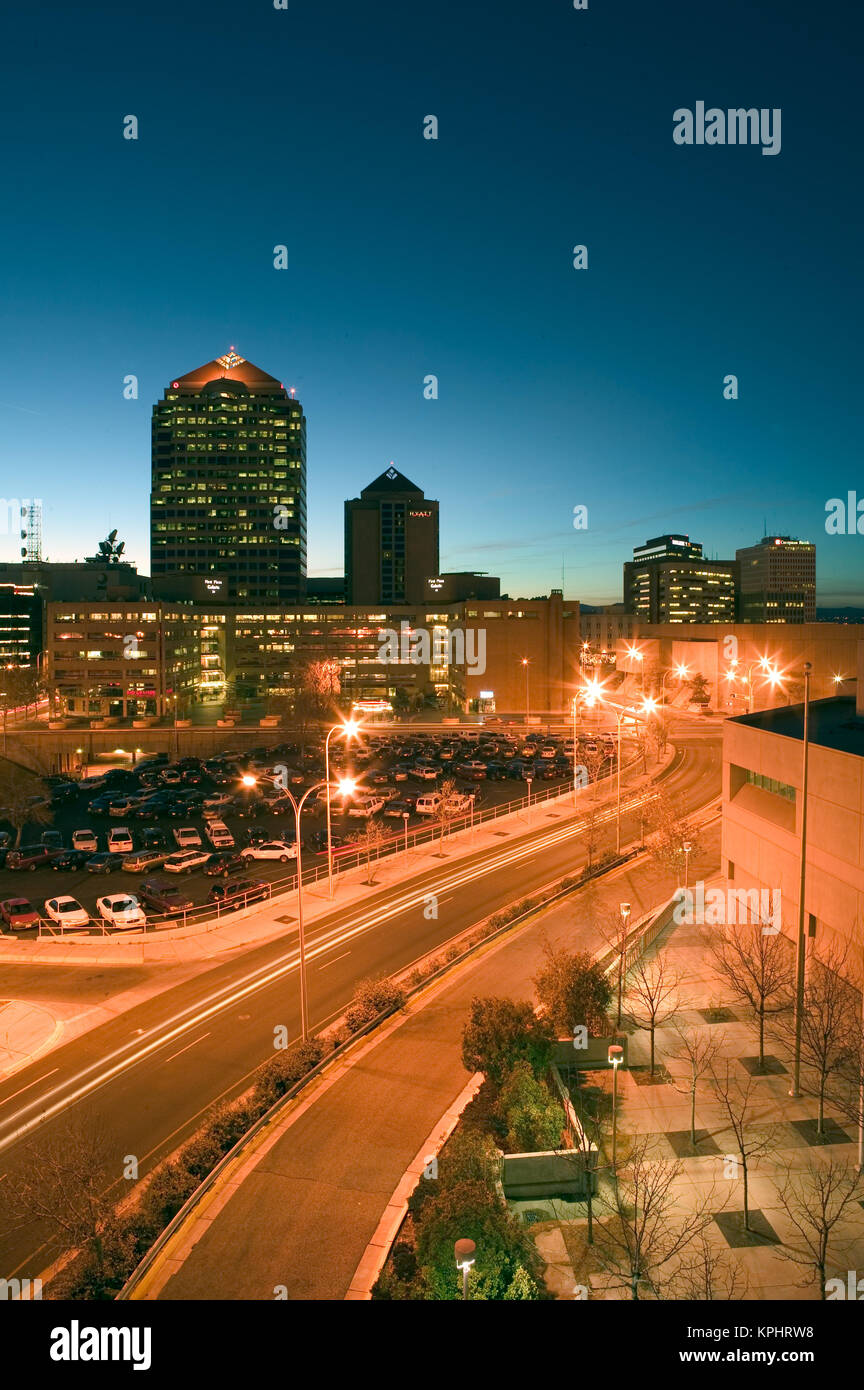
[(248, 780), (465, 1254), (616, 1057), (526, 663), (348, 729)]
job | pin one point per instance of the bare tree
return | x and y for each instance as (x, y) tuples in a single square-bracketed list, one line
[(658, 732), (641, 1245), (591, 832), (369, 841), (614, 929), (697, 1051), (448, 808), (707, 1275), (653, 995), (61, 1187), (670, 831), (815, 1200), (830, 1025), (737, 1101), (22, 799), (757, 967)]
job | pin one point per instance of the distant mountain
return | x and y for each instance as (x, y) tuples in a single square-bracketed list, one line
[(840, 615)]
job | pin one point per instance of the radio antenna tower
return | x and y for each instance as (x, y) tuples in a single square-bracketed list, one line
[(31, 532)]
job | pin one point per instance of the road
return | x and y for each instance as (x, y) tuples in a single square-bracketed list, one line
[(150, 1074)]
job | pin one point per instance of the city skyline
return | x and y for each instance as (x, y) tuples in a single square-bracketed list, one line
[(557, 387)]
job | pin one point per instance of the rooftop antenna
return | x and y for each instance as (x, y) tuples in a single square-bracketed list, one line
[(31, 532)]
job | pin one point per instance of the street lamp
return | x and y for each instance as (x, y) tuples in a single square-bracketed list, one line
[(800, 947), (298, 809), (349, 728), (529, 780), (624, 909), (464, 1250), (686, 847), (681, 671), (405, 826), (526, 663), (616, 1057), (636, 655)]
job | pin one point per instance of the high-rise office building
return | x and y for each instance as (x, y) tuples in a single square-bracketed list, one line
[(228, 497), (391, 542), (777, 581), (669, 581)]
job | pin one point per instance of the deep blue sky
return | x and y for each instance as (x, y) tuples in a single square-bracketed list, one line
[(408, 256)]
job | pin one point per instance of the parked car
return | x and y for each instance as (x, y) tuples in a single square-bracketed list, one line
[(121, 910), (31, 857), (163, 897), (143, 859), (369, 806), (85, 839), (318, 841), (126, 805), (120, 840), (224, 863), (256, 835), (67, 912), (238, 892), (185, 861), (154, 839), (69, 860), (187, 837), (395, 810), (171, 776), (103, 863), (427, 805), (271, 849), (19, 914), (219, 835), (215, 804), (427, 774)]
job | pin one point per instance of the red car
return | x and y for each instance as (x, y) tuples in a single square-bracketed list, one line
[(32, 857), (19, 914)]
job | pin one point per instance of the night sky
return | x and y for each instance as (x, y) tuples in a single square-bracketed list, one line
[(407, 256)]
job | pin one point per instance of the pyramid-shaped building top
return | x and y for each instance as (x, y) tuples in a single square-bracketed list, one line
[(230, 367)]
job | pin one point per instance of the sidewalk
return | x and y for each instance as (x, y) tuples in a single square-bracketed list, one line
[(660, 1110), (26, 1030), (300, 1209)]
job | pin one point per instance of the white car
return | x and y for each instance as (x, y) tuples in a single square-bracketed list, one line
[(187, 837), (271, 849), (219, 835), (86, 840), (369, 807), (427, 774), (213, 805), (121, 910), (125, 803), (186, 860), (120, 840), (67, 911)]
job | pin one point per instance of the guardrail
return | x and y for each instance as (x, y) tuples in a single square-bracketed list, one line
[(345, 860)]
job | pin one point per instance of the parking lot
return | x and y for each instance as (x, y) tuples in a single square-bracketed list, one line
[(162, 807)]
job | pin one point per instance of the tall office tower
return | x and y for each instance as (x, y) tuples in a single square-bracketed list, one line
[(668, 581), (228, 493), (778, 581), (391, 542)]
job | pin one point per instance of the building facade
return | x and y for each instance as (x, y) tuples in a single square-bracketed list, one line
[(669, 581), (762, 806), (777, 581), (391, 542), (228, 491)]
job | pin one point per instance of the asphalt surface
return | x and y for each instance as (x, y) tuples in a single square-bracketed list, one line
[(149, 1075)]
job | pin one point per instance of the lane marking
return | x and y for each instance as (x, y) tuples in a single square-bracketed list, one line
[(185, 1049), (31, 1083), (327, 964)]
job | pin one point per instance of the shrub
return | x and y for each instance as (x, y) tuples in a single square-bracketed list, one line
[(404, 1261), (167, 1191), (372, 998), (468, 1156), (452, 952), (500, 1032), (285, 1069), (534, 1119), (574, 990), (471, 1210)]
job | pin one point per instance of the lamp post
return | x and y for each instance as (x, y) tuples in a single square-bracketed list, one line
[(349, 728), (624, 909), (298, 808), (686, 847), (636, 655), (526, 664), (575, 750), (464, 1251), (405, 827), (800, 947), (529, 780), (616, 1057), (681, 671)]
